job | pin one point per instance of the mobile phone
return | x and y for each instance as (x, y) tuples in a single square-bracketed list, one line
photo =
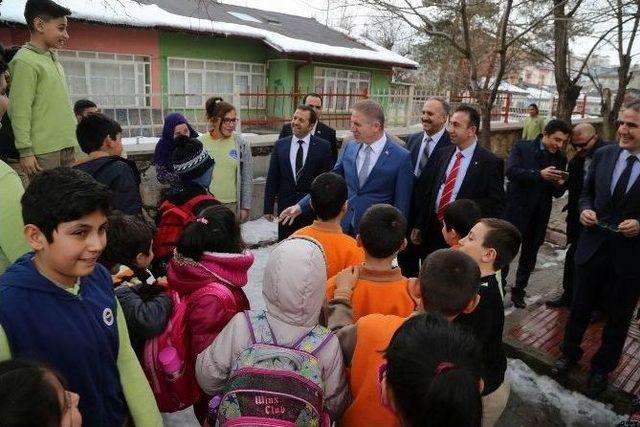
[(564, 174)]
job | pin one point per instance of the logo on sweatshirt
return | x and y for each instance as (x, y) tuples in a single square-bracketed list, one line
[(233, 154), (107, 316)]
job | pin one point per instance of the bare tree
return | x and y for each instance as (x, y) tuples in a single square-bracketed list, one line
[(484, 34)]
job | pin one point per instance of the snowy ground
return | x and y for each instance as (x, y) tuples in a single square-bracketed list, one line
[(534, 400)]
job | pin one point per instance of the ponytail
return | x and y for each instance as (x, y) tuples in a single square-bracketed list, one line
[(433, 370)]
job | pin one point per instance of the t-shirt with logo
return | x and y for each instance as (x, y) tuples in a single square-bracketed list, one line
[(224, 183)]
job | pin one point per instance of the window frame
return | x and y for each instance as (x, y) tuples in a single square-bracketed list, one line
[(331, 79)]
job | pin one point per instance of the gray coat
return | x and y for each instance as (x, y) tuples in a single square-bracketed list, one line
[(244, 178)]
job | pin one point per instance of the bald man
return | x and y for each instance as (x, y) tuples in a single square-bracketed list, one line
[(585, 141)]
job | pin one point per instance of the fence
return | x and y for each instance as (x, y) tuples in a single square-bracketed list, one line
[(266, 111)]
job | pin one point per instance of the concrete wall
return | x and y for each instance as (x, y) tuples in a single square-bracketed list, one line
[(503, 137)]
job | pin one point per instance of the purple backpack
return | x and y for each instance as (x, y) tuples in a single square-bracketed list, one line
[(274, 385)]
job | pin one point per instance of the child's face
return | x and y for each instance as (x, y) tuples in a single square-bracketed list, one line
[(71, 416), (75, 248), (114, 146), (451, 237), (53, 32), (472, 245)]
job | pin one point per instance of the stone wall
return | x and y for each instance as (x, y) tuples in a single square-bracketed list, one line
[(503, 136)]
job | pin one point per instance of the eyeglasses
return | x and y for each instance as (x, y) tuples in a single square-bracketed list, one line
[(607, 226), (584, 144), (228, 121)]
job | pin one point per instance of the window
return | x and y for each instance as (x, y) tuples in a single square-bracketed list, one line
[(108, 79), (191, 82), (341, 88), (245, 17)]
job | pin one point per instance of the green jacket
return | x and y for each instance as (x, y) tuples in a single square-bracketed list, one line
[(12, 242), (39, 106)]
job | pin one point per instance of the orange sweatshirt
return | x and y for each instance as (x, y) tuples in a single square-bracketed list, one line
[(340, 249), (374, 332), (384, 292)]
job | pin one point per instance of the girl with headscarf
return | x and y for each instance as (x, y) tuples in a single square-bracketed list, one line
[(174, 124)]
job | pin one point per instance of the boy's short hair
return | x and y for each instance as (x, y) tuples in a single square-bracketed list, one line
[(81, 105), (93, 129), (461, 215), (127, 236), (61, 195), (504, 237), (328, 194), (449, 280), (43, 9), (382, 230)]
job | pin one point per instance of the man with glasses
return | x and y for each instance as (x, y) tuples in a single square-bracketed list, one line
[(536, 172), (607, 252), (320, 129), (585, 141)]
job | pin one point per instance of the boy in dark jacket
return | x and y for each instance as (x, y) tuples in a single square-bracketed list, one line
[(100, 138), (492, 243), (127, 255)]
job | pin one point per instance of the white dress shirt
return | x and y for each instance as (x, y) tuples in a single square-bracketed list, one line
[(432, 145), (376, 148), (293, 151), (465, 161), (621, 164)]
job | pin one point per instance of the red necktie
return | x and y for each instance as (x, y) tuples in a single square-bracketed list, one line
[(447, 191)]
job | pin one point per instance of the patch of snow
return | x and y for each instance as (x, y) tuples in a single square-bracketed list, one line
[(548, 264), (575, 409), (184, 418), (136, 140), (132, 13), (253, 289), (259, 232)]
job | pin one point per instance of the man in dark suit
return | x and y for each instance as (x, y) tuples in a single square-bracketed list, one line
[(425, 148), (377, 170), (465, 170), (536, 172), (585, 141), (607, 252), (295, 162), (320, 129)]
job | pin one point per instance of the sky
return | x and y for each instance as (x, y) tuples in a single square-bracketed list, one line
[(317, 9)]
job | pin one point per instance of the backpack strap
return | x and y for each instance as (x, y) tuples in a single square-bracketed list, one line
[(259, 327), (188, 207), (314, 340)]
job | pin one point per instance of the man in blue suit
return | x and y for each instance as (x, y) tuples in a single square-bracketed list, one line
[(295, 163), (536, 172), (425, 148), (376, 169), (607, 252)]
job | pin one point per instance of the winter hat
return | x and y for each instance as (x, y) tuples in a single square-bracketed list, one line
[(190, 159)]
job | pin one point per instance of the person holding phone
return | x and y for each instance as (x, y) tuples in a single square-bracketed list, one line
[(536, 172)]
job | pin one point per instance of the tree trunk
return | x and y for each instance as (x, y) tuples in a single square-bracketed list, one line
[(568, 90), (485, 125), (608, 126)]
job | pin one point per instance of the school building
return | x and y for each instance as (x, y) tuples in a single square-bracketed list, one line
[(141, 60)]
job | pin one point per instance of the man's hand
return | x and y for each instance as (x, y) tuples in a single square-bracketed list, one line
[(288, 215), (415, 236), (346, 280), (243, 215), (588, 218), (268, 217), (551, 174), (30, 165), (629, 227)]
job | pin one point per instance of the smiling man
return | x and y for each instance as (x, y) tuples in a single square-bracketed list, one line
[(607, 252), (536, 172), (295, 162), (39, 106), (377, 170)]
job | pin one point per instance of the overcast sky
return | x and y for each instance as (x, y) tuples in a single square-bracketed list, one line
[(317, 9)]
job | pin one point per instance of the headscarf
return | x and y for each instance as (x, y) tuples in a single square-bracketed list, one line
[(162, 155)]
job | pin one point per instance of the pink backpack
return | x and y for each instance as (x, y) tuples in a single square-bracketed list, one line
[(177, 389)]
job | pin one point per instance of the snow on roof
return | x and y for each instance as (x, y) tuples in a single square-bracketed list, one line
[(508, 87), (536, 93), (132, 13)]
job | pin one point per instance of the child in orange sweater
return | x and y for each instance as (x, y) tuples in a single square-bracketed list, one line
[(458, 219), (329, 201), (448, 285), (381, 288)]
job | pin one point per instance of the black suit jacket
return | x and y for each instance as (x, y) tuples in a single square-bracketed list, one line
[(528, 195), (281, 184), (575, 185), (596, 196), (422, 184), (483, 183), (322, 131)]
